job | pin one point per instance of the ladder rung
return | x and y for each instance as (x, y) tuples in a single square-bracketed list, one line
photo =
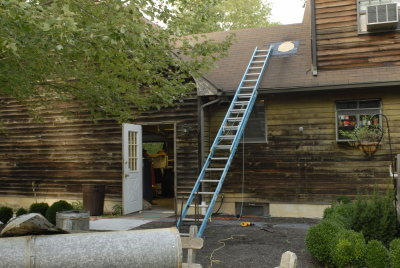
[(205, 193), (254, 74), (238, 110), (227, 137), (222, 146), (262, 50), (241, 102), (246, 87), (209, 181), (199, 206), (255, 68), (220, 158), (214, 169), (260, 56), (258, 61), (250, 80), (245, 95), (235, 119), (191, 219)]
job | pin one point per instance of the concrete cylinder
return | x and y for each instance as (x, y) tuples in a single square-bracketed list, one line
[(73, 220), (150, 248)]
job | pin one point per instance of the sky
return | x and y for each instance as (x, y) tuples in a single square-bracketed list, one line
[(287, 11)]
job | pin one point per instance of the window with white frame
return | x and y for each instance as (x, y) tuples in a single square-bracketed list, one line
[(378, 15), (356, 113)]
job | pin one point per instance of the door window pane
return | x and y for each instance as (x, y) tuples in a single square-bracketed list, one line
[(132, 151)]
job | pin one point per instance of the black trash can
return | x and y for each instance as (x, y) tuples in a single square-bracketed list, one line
[(93, 198)]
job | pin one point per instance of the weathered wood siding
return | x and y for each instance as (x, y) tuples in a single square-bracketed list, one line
[(59, 153), (310, 167), (339, 46)]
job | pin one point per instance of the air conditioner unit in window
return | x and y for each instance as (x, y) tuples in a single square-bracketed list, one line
[(382, 17)]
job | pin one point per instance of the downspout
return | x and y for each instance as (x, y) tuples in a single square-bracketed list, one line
[(314, 65), (202, 153)]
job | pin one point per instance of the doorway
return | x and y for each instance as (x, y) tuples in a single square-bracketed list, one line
[(159, 173)]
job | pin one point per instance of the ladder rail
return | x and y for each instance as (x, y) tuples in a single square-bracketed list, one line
[(252, 98), (231, 106), (227, 125)]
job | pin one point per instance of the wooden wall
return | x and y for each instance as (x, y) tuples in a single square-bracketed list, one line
[(339, 46), (59, 153), (310, 167)]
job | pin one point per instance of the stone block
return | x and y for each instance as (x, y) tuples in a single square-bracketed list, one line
[(288, 260)]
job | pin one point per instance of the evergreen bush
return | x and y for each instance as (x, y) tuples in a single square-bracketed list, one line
[(395, 253), (348, 249), (6, 213), (342, 213), (320, 238), (58, 206), (21, 211), (376, 255), (375, 218), (40, 208)]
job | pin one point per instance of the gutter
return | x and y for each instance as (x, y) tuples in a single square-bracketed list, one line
[(314, 66)]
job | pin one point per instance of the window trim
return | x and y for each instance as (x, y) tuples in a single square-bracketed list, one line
[(357, 109)]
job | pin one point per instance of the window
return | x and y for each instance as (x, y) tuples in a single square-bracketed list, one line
[(355, 113), (255, 129), (377, 15)]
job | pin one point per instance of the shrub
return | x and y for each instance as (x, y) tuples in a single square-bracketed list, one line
[(348, 249), (6, 213), (376, 218), (342, 213), (21, 211), (77, 205), (39, 208), (395, 253), (320, 238), (58, 206), (376, 255)]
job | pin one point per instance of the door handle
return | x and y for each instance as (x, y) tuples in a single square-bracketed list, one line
[(126, 175)]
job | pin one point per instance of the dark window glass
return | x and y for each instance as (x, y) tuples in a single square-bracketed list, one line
[(370, 104), (346, 105), (255, 128)]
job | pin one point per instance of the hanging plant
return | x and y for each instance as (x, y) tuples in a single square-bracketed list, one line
[(367, 138)]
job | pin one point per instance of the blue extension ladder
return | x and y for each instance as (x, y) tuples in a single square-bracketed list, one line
[(228, 137)]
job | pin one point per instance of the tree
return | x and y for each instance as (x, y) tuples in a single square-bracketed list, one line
[(202, 16), (101, 53)]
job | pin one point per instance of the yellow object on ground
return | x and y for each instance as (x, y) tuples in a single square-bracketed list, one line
[(245, 223)]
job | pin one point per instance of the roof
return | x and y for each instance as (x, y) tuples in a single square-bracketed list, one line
[(288, 72)]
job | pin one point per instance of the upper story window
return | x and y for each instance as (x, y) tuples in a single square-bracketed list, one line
[(378, 15), (355, 113)]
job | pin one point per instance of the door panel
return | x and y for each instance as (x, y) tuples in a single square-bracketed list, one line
[(132, 192)]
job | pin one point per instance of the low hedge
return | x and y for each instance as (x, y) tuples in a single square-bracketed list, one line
[(40, 208), (395, 253), (58, 206), (376, 255), (356, 234), (6, 213)]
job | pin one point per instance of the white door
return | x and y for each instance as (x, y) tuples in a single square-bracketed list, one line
[(132, 188)]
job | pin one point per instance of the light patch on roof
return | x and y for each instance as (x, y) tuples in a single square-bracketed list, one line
[(285, 48)]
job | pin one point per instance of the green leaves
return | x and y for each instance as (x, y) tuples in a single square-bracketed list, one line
[(102, 53)]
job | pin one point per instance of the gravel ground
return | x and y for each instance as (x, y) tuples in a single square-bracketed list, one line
[(227, 244)]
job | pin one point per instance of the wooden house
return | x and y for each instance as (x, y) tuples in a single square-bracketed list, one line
[(293, 161), (345, 68)]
